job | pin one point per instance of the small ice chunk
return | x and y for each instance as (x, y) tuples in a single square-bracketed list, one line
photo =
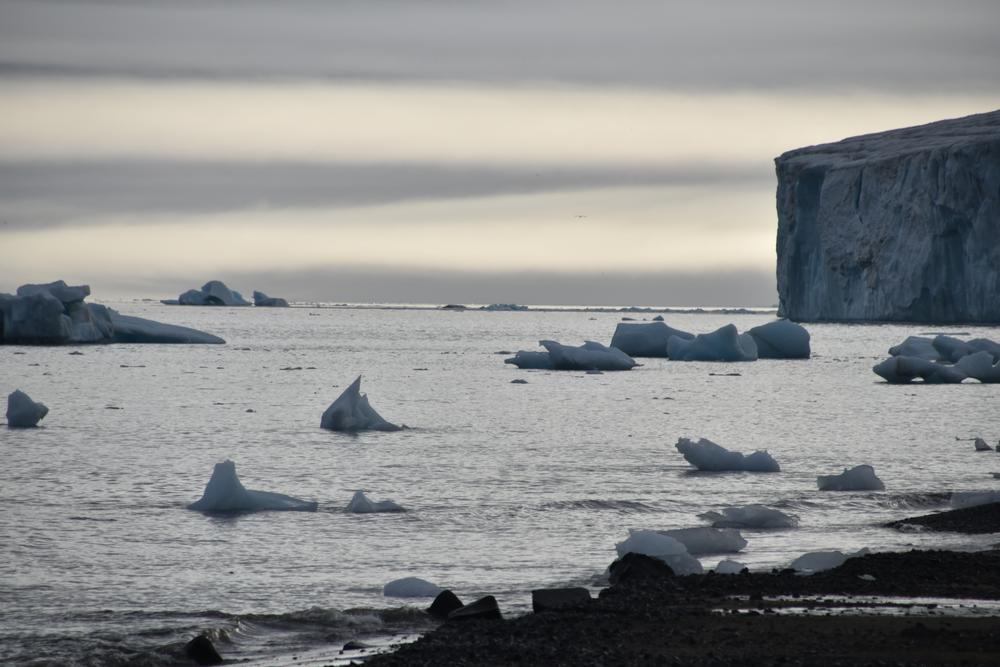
[(22, 412), (703, 540), (750, 516), (981, 446), (351, 412), (781, 339), (980, 366), (669, 550), (919, 347), (706, 455), (723, 344), (729, 567), (961, 499), (361, 504), (641, 339), (589, 356), (527, 359), (225, 493), (817, 561), (902, 369), (858, 478), (410, 587)]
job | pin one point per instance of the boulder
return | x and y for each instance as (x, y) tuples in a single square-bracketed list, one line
[(485, 609), (634, 567), (202, 651), (445, 603)]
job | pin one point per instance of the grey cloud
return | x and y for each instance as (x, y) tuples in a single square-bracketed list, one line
[(47, 194), (900, 44)]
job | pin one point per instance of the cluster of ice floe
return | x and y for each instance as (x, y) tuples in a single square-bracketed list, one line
[(22, 412), (216, 293), (780, 339), (590, 356), (55, 314), (941, 360), (707, 455)]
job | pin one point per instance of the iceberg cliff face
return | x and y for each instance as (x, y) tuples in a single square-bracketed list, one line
[(901, 225)]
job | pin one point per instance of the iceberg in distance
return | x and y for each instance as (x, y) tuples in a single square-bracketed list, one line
[(212, 293), (708, 456), (669, 550), (225, 493), (351, 412), (261, 300), (645, 339), (858, 478), (22, 412), (781, 339), (723, 344), (750, 516), (361, 504)]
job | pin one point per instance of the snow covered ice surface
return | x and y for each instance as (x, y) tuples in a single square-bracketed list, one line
[(781, 339), (703, 540), (723, 344), (225, 493), (22, 412), (708, 456), (750, 516), (668, 549), (645, 339), (410, 587), (858, 478), (361, 504), (351, 412)]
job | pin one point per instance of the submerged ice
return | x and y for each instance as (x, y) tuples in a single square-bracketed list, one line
[(362, 504), (225, 493), (351, 412), (22, 412), (707, 455)]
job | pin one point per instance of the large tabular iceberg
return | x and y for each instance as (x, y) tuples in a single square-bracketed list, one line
[(590, 356), (212, 293), (22, 412), (706, 455), (750, 516), (55, 314), (708, 540), (781, 339), (262, 300), (351, 412), (225, 493), (858, 478), (723, 344), (669, 550), (645, 339), (362, 504)]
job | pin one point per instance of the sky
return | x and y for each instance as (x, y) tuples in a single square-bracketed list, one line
[(544, 152)]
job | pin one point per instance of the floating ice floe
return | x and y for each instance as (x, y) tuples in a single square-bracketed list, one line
[(781, 339), (981, 445), (858, 478), (702, 540), (591, 356), (669, 550), (225, 493), (980, 366), (817, 561), (900, 370), (729, 567), (961, 499), (212, 293), (528, 359), (22, 412), (55, 314), (750, 516), (708, 456), (645, 339), (262, 300), (361, 504), (410, 587), (351, 412), (723, 344)]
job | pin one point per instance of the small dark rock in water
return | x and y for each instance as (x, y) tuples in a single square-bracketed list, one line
[(76, 353), (482, 609), (201, 650), (503, 352), (628, 319), (355, 645), (727, 374), (635, 567), (553, 599), (445, 603), (519, 381), (112, 407), (251, 410), (291, 368)]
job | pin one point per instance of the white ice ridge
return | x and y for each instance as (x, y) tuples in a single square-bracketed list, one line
[(22, 412), (361, 504), (669, 550), (410, 587), (858, 478), (351, 412), (55, 314), (750, 516), (723, 344), (262, 300), (817, 561), (212, 293), (781, 339), (708, 456), (727, 566), (225, 493), (703, 540), (645, 339), (590, 356)]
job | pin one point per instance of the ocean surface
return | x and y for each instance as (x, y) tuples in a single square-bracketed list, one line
[(508, 487)]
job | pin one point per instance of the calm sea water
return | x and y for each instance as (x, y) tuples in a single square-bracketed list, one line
[(508, 486)]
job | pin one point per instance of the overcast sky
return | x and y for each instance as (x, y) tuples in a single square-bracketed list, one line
[(535, 152)]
